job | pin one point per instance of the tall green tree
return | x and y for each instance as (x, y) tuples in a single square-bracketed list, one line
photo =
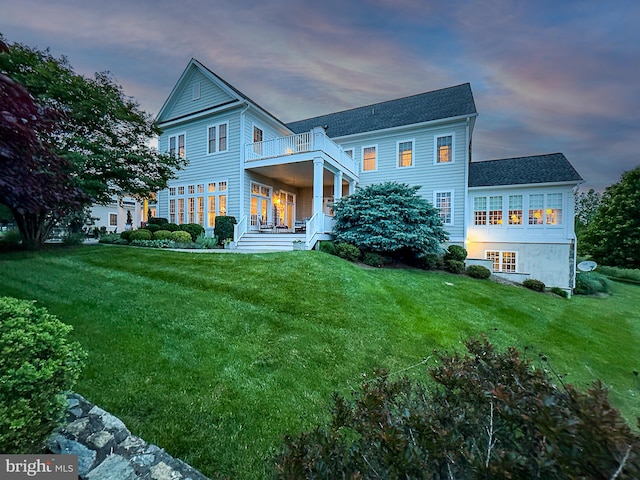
[(613, 236), (389, 218), (102, 134)]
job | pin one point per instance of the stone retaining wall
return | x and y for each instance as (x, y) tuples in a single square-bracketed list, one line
[(107, 450)]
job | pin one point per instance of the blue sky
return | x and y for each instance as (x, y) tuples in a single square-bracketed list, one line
[(547, 76)]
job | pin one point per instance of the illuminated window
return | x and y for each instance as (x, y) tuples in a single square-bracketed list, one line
[(212, 187), (211, 212), (515, 209), (505, 262), (201, 188), (369, 159), (554, 209), (222, 186), (495, 210), (480, 210), (444, 149), (222, 200), (217, 138), (536, 209), (180, 211), (405, 154), (201, 211), (444, 203)]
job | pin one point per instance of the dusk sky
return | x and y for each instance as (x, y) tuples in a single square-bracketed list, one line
[(547, 76)]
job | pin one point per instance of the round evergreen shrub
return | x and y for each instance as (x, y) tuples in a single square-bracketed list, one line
[(348, 252), (158, 220), (126, 235), (181, 237), (37, 366), (454, 266), (535, 285), (172, 227), (194, 229), (162, 235), (140, 235), (152, 227), (455, 252), (478, 271)]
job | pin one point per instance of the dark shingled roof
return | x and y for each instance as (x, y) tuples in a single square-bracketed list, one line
[(551, 168), (439, 104)]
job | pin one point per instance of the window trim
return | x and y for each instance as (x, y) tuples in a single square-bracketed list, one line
[(412, 141), (435, 204), (186, 197), (453, 148), (217, 139), (501, 259), (177, 144), (375, 146), (116, 217)]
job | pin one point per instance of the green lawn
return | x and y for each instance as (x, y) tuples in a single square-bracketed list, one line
[(214, 356)]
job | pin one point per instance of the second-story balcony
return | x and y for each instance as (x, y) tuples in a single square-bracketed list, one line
[(301, 147)]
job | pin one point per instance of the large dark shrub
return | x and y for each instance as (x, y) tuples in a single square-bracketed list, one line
[(348, 252), (391, 219), (224, 228), (172, 227), (152, 227), (37, 366), (194, 229), (559, 291), (533, 284), (455, 252), (454, 266), (327, 246), (158, 220), (126, 235), (428, 262), (373, 259), (482, 415), (478, 271)]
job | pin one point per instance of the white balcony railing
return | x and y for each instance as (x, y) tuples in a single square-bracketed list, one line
[(314, 140)]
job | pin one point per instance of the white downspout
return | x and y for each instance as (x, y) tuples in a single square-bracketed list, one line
[(242, 159), (466, 186)]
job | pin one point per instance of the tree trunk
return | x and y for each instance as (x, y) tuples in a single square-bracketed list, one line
[(34, 228)]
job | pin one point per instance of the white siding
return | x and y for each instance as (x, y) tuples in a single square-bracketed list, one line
[(211, 95)]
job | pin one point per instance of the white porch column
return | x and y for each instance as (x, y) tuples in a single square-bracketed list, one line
[(337, 186), (352, 186), (318, 171)]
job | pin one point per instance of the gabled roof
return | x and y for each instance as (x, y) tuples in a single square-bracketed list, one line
[(222, 83), (425, 107), (551, 168)]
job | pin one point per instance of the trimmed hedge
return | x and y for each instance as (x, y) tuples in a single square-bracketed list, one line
[(478, 271), (162, 235), (533, 284), (37, 366), (140, 235), (193, 229), (181, 237)]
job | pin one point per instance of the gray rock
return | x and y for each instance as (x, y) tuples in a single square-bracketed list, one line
[(78, 426), (100, 439), (114, 467), (61, 445), (162, 471), (109, 421)]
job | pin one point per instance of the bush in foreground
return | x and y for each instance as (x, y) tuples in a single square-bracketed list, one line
[(181, 236), (533, 284), (483, 415), (478, 271), (590, 283), (37, 366)]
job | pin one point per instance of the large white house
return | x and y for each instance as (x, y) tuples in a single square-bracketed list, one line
[(279, 180)]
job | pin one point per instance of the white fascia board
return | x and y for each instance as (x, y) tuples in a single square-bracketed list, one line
[(525, 185), (431, 123), (201, 114)]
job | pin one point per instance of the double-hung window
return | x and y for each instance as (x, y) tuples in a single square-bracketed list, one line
[(554, 209), (217, 138), (444, 203), (177, 145), (480, 210), (405, 154), (444, 148), (536, 209), (495, 210), (515, 209), (369, 159)]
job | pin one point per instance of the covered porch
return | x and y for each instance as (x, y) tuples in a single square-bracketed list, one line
[(292, 182)]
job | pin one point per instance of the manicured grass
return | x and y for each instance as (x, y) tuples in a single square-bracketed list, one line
[(215, 356)]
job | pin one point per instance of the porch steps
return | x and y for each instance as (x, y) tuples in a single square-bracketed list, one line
[(269, 242)]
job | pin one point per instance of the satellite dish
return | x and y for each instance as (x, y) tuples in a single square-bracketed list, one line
[(587, 266)]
